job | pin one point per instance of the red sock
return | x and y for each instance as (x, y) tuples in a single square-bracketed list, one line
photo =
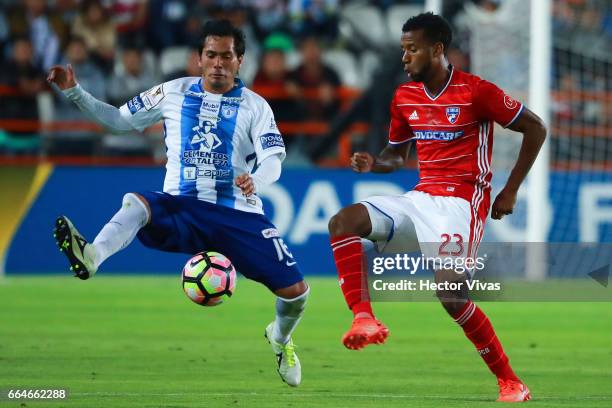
[(479, 330), (348, 254)]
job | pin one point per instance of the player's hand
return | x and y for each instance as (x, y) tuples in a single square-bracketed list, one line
[(503, 204), (246, 184), (362, 162), (64, 78)]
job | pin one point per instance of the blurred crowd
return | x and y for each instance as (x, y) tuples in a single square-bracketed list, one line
[(300, 53)]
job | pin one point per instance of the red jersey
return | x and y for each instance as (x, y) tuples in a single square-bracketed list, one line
[(454, 134)]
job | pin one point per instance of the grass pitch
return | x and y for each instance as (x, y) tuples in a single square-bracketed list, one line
[(139, 342)]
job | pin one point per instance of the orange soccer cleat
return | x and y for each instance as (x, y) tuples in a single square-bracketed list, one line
[(512, 391), (364, 331)]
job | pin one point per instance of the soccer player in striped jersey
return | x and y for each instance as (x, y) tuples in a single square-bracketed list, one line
[(223, 146), (449, 116)]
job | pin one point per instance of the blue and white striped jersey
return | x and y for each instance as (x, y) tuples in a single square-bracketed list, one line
[(210, 138)]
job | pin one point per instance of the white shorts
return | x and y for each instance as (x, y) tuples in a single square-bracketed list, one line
[(439, 225)]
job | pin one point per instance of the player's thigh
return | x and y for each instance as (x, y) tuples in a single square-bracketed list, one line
[(443, 224), (175, 224), (392, 227), (258, 252)]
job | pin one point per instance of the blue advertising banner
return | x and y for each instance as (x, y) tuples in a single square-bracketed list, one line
[(300, 205)]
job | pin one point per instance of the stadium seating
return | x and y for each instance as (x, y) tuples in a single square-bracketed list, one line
[(367, 23), (173, 59), (343, 62), (396, 16)]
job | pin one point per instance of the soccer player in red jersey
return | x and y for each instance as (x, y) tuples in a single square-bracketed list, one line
[(449, 114)]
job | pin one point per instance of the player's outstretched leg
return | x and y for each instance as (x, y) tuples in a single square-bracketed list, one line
[(79, 252), (479, 330), (119, 232), (278, 333), (346, 229)]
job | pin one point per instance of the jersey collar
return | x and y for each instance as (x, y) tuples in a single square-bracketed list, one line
[(450, 79)]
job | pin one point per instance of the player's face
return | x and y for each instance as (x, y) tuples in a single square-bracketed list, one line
[(417, 55), (219, 64)]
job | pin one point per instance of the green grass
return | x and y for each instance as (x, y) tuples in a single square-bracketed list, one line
[(139, 342)]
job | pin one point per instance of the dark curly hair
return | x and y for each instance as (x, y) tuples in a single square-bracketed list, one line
[(435, 28)]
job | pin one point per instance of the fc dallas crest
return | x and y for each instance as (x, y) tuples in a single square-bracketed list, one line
[(452, 114)]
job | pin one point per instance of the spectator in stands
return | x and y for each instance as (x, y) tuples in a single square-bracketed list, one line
[(271, 80), (90, 77), (4, 34), (134, 78), (314, 76), (270, 16), (22, 80), (167, 23), (130, 17), (314, 17), (192, 66), (94, 25), (44, 30)]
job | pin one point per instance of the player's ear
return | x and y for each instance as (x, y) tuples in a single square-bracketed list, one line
[(438, 49), (240, 59)]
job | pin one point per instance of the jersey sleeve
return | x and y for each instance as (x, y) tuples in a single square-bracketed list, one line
[(144, 109), (266, 137), (494, 104), (399, 128)]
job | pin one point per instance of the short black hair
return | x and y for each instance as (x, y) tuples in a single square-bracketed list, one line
[(223, 28), (435, 28)]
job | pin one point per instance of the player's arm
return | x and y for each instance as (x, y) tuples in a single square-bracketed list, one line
[(392, 157), (100, 112), (269, 151), (534, 133), (267, 173)]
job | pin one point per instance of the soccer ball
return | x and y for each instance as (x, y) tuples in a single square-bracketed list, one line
[(209, 278)]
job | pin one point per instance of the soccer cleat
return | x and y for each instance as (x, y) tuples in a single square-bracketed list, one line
[(364, 331), (288, 362), (512, 391), (75, 247)]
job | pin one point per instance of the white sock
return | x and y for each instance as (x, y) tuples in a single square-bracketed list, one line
[(120, 231), (288, 314)]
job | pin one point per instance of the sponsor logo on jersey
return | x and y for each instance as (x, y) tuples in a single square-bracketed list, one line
[(509, 102), (205, 139), (270, 140), (437, 135), (135, 104), (273, 124), (452, 114), (196, 94), (232, 100), (192, 173), (413, 116), (210, 107), (270, 233)]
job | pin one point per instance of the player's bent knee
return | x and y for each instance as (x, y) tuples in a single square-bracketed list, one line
[(294, 291), (352, 220), (135, 199)]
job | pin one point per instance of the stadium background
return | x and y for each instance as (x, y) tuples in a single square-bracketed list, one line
[(54, 161), (136, 341)]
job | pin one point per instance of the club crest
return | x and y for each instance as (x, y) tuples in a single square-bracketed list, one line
[(228, 111), (452, 114)]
